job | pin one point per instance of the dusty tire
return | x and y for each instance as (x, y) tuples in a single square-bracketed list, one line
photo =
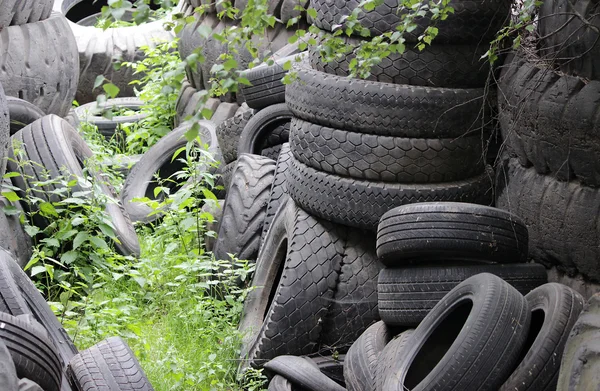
[(4, 130), (278, 192), (13, 237), (389, 356), (189, 41), (229, 132), (22, 113), (91, 113), (302, 373), (265, 129), (19, 12), (11, 300)]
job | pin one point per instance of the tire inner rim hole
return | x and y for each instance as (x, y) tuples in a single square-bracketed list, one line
[(167, 178), (279, 260), (86, 8), (437, 345)]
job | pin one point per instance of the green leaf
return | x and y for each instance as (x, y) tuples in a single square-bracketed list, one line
[(47, 209), (80, 238), (98, 242), (287, 66), (192, 133), (107, 230), (99, 80), (69, 257), (312, 13), (206, 113), (111, 89), (37, 270), (11, 196), (52, 242), (11, 175)]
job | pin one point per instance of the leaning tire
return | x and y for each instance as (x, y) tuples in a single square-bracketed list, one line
[(92, 113), (267, 124), (11, 300), (229, 132), (278, 193), (13, 237), (22, 113)]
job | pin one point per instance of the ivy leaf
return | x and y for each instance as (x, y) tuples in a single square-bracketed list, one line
[(312, 13)]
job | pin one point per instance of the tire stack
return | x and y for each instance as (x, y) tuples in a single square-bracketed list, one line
[(548, 118)]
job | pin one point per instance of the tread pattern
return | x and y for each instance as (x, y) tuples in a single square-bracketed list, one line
[(22, 113), (229, 132), (19, 12), (360, 204), (11, 301), (407, 295), (385, 158), (389, 356), (108, 365), (550, 120), (382, 108), (278, 194)]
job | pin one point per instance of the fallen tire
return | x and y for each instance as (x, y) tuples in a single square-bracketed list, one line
[(245, 208), (33, 354), (359, 203), (19, 12), (560, 217), (158, 160), (263, 126), (51, 147), (300, 372), (554, 311), (22, 113), (41, 64), (385, 158), (278, 192), (229, 132), (549, 121), (226, 174), (406, 295), (93, 114), (445, 231), (109, 364), (361, 362), (383, 108), (471, 339)]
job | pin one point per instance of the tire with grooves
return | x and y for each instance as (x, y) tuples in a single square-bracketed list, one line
[(245, 208), (19, 12), (13, 237), (4, 130), (93, 114), (22, 113), (265, 125), (40, 64), (406, 295), (189, 41), (359, 203), (11, 300), (389, 355), (302, 373), (110, 365), (229, 132), (382, 108), (278, 193)]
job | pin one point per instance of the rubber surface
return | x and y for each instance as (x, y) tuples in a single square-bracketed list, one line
[(229, 132), (18, 12), (278, 192), (258, 132), (300, 372), (93, 114), (22, 113)]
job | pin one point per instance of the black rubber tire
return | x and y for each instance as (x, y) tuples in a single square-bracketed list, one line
[(13, 237), (19, 12), (257, 133), (385, 158), (227, 173), (91, 113), (4, 130), (568, 31), (361, 362), (446, 231), (289, 12), (302, 373), (189, 41), (561, 217), (470, 340), (41, 63), (33, 354), (294, 284), (267, 88), (280, 383), (11, 300), (185, 94), (223, 112), (8, 373), (359, 203), (472, 20), (389, 356), (229, 132), (555, 308), (406, 295), (550, 121), (141, 181), (22, 113), (278, 193), (383, 108), (53, 146), (331, 366), (437, 65), (110, 365), (245, 208)]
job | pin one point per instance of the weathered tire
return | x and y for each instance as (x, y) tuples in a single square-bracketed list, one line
[(554, 310), (550, 121), (561, 217), (41, 64), (472, 20), (389, 356), (245, 208), (302, 373), (189, 41), (4, 130), (19, 12), (33, 354), (470, 340), (360, 203), (54, 148), (385, 158), (406, 295), (383, 108), (263, 127), (280, 383), (8, 373), (110, 365), (11, 300), (93, 114), (446, 231), (278, 192), (215, 208), (229, 132), (22, 113), (13, 237), (141, 181), (226, 174)]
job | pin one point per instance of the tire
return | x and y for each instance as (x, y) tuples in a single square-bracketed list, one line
[(8, 373), (288, 11), (109, 363), (560, 216), (330, 366), (141, 181), (294, 284), (4, 130), (437, 65), (19, 12), (33, 354), (28, 385), (41, 64), (93, 114), (300, 372), (407, 295), (229, 132), (361, 204), (280, 383), (224, 112), (476, 332), (568, 31), (550, 122), (11, 300), (382, 108), (261, 126), (472, 21), (22, 113), (554, 310), (278, 193), (389, 356), (13, 237), (245, 208), (227, 173), (385, 158), (189, 41), (267, 88), (445, 231), (54, 147), (185, 94), (361, 362)]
